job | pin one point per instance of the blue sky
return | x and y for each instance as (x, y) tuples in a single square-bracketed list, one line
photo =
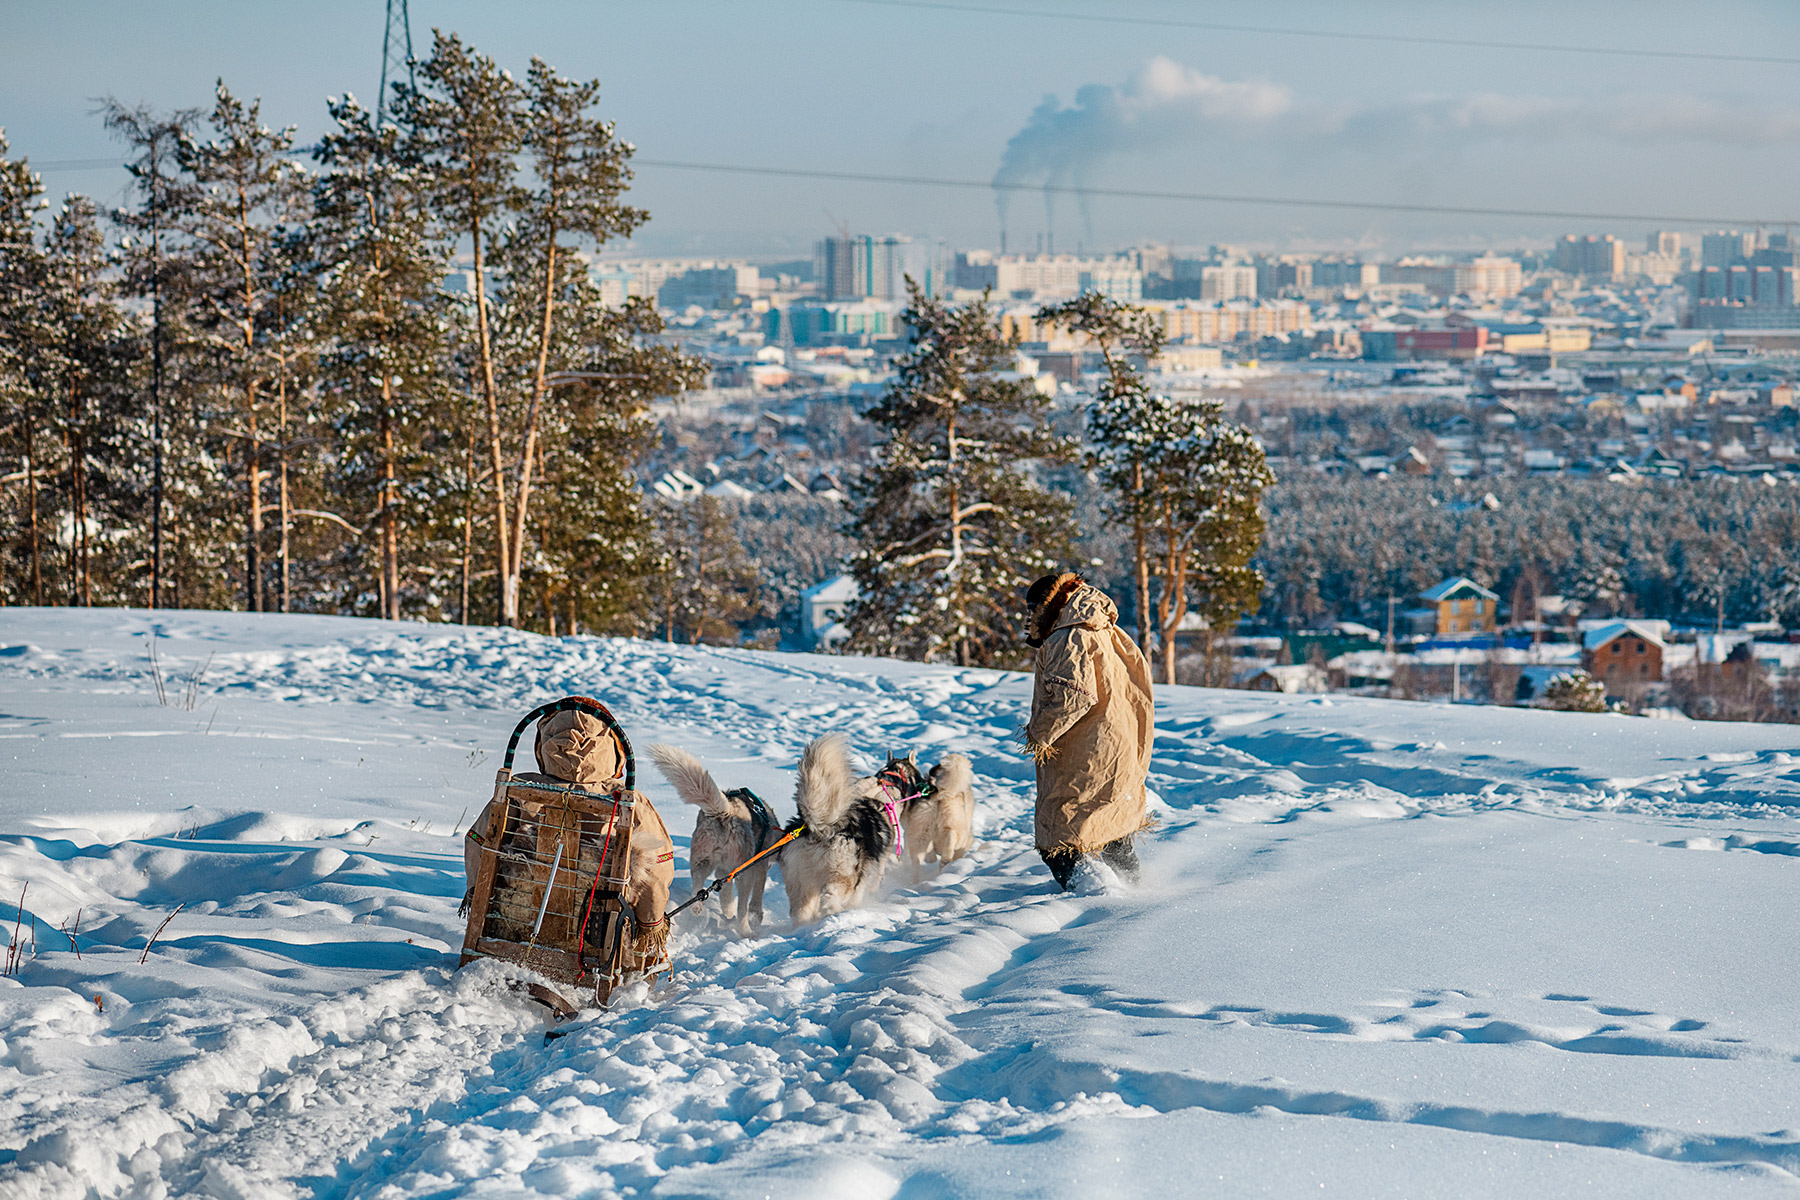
[(851, 86)]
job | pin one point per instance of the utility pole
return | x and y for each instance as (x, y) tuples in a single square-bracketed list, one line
[(396, 56), (1390, 626)]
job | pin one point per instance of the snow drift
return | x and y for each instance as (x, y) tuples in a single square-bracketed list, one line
[(1381, 948)]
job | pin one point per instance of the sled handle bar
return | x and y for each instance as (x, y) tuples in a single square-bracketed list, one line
[(577, 704)]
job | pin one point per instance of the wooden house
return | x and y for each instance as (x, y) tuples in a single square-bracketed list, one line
[(1459, 607), (1623, 652)]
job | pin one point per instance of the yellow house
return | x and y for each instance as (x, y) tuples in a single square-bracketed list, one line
[(1462, 607)]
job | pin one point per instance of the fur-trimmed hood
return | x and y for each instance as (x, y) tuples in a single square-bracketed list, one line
[(1072, 602)]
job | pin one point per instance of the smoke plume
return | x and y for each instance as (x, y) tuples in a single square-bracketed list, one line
[(1163, 104), (1167, 107)]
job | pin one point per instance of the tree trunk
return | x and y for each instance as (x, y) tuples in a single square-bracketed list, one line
[(253, 509), (956, 579), (468, 547), (77, 505), (156, 370), (389, 534), (285, 511), (31, 497), (176, 532), (509, 595), (253, 591), (1174, 598), (522, 498)]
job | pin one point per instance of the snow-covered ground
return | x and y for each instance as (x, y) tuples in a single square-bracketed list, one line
[(1381, 949)]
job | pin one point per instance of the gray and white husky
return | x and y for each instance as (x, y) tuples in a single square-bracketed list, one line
[(732, 827)]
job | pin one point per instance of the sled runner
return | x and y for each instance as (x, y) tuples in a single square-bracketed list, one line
[(549, 890)]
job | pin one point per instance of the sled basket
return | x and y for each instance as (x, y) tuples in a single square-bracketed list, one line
[(549, 889)]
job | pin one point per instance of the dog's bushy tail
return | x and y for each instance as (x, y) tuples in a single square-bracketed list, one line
[(954, 774), (823, 792), (692, 781)]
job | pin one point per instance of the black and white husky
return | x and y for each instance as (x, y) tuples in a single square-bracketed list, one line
[(856, 825), (732, 827)]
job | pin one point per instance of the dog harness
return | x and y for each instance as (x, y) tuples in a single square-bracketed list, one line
[(761, 819), (893, 779)]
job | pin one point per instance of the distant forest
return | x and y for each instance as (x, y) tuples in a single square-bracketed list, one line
[(1699, 550)]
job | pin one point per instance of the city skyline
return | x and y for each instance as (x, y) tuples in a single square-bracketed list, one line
[(978, 95)]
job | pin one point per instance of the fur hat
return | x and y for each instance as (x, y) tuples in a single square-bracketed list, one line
[(1044, 603)]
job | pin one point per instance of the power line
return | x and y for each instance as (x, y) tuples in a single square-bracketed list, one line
[(1337, 34), (981, 185), (95, 164), (1201, 197)]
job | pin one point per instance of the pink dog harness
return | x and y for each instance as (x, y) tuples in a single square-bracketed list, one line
[(890, 807)]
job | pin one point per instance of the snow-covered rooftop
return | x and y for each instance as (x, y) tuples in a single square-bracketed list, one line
[(1455, 586), (1599, 635)]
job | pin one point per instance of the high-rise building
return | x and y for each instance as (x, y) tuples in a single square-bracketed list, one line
[(1277, 275), (1228, 282), (1726, 248), (1597, 256), (1025, 276), (1490, 275), (861, 267), (1337, 273), (1664, 243)]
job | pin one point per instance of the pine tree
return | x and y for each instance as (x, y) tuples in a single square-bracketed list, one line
[(1122, 423), (581, 172), (88, 357), (239, 195), (950, 524), (23, 280), (594, 545), (153, 139), (709, 584), (1210, 529), (1189, 483), (385, 326), (1575, 691), (464, 127)]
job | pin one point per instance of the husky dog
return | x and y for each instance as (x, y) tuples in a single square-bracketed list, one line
[(940, 825), (732, 827), (849, 837)]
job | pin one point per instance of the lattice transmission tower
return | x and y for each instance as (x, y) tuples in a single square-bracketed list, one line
[(396, 56)]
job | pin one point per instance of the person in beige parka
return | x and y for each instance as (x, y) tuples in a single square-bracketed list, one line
[(1091, 727)]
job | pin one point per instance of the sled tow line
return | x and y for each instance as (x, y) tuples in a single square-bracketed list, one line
[(716, 884)]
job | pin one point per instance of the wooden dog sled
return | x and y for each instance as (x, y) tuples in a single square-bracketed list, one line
[(549, 891)]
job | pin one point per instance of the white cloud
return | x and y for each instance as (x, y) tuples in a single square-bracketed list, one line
[(1168, 107)]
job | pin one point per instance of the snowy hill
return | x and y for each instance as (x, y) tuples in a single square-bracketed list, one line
[(1382, 949)]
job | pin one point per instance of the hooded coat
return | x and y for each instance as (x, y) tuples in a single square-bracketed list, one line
[(577, 747), (1092, 723)]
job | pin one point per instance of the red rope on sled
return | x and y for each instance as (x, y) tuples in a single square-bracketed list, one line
[(606, 845)]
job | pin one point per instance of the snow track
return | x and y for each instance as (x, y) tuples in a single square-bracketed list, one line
[(1389, 948)]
